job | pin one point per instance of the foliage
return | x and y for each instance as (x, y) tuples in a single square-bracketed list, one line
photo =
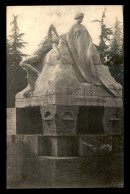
[(111, 48), (104, 37), (115, 61), (16, 76)]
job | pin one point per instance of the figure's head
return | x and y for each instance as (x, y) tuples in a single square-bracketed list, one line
[(79, 17)]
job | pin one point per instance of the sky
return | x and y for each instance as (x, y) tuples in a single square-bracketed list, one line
[(34, 21)]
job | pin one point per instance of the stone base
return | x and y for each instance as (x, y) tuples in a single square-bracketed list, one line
[(55, 120), (75, 171), (99, 163)]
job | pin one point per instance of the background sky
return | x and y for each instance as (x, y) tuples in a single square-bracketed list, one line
[(34, 21)]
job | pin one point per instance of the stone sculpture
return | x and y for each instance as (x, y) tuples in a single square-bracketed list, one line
[(77, 49), (72, 107)]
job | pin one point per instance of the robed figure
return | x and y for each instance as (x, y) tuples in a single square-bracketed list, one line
[(86, 59)]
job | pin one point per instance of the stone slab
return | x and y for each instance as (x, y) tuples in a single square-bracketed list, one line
[(67, 100)]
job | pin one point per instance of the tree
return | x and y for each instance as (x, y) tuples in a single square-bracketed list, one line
[(115, 62), (16, 42), (16, 76), (116, 46), (104, 37)]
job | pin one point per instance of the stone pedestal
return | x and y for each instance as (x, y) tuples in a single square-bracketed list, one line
[(71, 128), (71, 139)]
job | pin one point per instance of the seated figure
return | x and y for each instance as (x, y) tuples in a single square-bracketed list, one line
[(33, 64)]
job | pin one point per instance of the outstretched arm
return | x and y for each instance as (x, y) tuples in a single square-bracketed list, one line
[(52, 28)]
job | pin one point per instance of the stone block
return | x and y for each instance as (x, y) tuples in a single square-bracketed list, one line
[(58, 164), (48, 146), (32, 144), (90, 120), (117, 144), (59, 120), (94, 145), (62, 146), (112, 120), (68, 146), (28, 120), (14, 165), (71, 171)]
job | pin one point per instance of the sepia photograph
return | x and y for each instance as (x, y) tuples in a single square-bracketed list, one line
[(65, 84)]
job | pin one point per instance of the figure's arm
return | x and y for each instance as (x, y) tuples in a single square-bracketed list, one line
[(52, 28)]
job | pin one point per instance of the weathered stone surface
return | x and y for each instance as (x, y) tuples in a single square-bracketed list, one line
[(117, 144), (11, 121), (65, 82), (59, 79), (62, 171), (56, 168), (68, 100), (48, 146), (94, 145), (59, 120), (33, 101), (14, 165), (28, 120), (112, 120), (32, 144), (68, 146), (90, 120), (102, 101), (117, 164), (99, 120), (63, 88), (93, 90), (74, 171), (62, 146)]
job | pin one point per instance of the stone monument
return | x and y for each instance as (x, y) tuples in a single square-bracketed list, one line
[(72, 118)]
